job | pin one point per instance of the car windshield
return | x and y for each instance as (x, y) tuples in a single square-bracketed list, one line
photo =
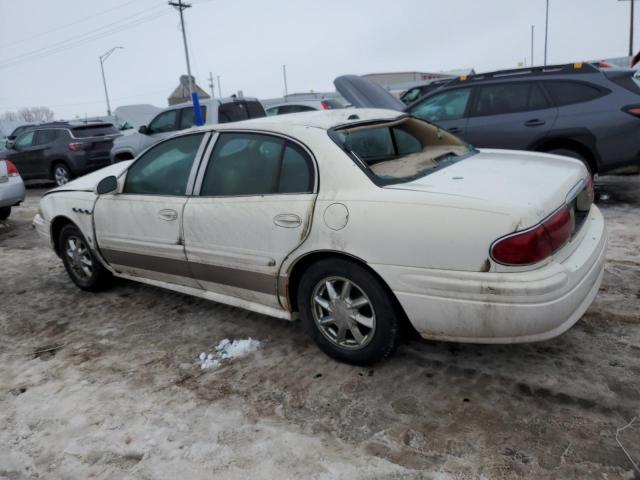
[(401, 150)]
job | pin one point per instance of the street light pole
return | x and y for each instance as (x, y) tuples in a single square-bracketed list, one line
[(546, 34), (103, 57), (284, 74), (630, 26), (194, 95), (532, 30)]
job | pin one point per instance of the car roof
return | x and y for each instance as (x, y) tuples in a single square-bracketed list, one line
[(321, 119), (206, 101)]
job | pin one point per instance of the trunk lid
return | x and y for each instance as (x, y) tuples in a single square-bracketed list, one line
[(529, 185), (362, 93)]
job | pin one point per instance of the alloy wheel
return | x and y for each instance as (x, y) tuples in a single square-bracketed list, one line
[(79, 258), (343, 313), (61, 175)]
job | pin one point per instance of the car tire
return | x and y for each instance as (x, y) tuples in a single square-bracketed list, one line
[(364, 322), (80, 262), (566, 152), (61, 174), (5, 212)]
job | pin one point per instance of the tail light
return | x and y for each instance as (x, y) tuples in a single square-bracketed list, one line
[(77, 146), (537, 243), (12, 171), (632, 110)]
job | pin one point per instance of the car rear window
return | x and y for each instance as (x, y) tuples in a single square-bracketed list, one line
[(570, 92), (240, 110), (628, 80), (102, 130), (401, 150)]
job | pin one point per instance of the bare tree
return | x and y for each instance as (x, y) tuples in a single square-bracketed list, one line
[(10, 116), (35, 114)]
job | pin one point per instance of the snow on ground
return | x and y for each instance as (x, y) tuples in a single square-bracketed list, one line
[(227, 350), (105, 385)]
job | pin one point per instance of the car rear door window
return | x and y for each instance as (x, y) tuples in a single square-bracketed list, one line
[(44, 137), (449, 105), (256, 164), (570, 92), (187, 118), (165, 168), (165, 122), (505, 98)]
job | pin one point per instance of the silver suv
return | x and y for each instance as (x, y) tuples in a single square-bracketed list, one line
[(179, 117)]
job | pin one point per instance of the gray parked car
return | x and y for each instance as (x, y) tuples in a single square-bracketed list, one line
[(11, 188), (179, 117), (575, 110)]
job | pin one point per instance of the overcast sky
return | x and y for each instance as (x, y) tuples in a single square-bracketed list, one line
[(49, 49)]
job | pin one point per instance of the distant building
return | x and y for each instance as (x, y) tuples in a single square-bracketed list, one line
[(181, 93), (403, 80)]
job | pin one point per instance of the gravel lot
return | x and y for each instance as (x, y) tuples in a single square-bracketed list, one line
[(108, 385)]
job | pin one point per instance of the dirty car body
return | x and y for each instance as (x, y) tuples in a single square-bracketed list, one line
[(355, 220)]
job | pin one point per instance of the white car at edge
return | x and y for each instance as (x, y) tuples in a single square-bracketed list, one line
[(354, 220)]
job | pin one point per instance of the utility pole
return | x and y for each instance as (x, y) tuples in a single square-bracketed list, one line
[(103, 57), (532, 30), (211, 86), (546, 34), (630, 26), (194, 95), (219, 88), (284, 74)]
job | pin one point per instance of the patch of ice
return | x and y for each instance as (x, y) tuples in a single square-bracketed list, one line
[(228, 349)]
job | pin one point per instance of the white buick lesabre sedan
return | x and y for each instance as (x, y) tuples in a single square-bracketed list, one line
[(355, 220)]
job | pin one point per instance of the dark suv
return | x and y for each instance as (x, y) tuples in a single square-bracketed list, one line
[(60, 151), (575, 110)]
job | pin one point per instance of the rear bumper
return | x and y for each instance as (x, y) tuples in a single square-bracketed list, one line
[(12, 192), (491, 307)]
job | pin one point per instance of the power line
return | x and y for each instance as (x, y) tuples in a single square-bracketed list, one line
[(81, 36), (78, 40), (62, 27)]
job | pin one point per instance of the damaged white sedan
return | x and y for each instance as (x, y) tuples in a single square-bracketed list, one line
[(355, 220)]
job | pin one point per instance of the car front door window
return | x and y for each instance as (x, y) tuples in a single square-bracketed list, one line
[(25, 140), (165, 122), (165, 168), (450, 105)]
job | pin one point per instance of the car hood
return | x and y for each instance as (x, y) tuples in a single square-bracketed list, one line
[(528, 185), (362, 93), (88, 183)]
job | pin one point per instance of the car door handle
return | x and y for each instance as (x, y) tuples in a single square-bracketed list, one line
[(168, 214), (454, 130), (534, 122), (287, 220)]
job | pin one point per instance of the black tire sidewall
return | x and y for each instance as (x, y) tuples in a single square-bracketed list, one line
[(386, 331), (99, 275), (5, 212)]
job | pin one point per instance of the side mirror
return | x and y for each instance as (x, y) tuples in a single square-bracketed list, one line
[(144, 130), (10, 143), (107, 185)]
